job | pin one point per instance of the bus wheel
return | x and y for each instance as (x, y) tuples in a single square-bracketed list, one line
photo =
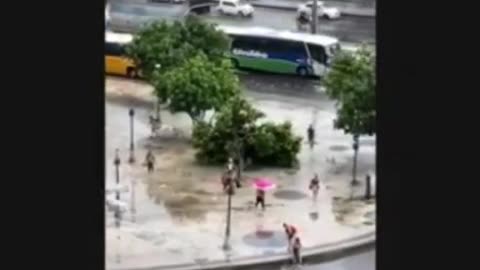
[(302, 71), (235, 63), (131, 73)]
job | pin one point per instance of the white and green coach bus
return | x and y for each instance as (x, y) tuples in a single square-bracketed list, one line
[(280, 51)]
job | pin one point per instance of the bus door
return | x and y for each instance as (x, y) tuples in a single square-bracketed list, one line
[(319, 58)]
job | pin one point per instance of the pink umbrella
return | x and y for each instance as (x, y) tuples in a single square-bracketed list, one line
[(263, 184)]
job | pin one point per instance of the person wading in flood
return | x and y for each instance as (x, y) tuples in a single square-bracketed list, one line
[(150, 160), (315, 186), (297, 246)]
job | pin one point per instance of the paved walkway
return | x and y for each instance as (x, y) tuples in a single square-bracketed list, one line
[(179, 212)]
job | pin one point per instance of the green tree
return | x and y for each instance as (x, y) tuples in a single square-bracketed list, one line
[(169, 45), (235, 132), (351, 83), (216, 140), (276, 145), (197, 86)]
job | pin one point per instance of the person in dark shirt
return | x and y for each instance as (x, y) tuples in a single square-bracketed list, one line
[(311, 135), (150, 160), (314, 186), (260, 199)]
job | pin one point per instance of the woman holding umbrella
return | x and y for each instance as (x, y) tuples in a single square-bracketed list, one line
[(261, 185)]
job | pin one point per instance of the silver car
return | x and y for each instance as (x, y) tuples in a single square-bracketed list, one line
[(130, 18)]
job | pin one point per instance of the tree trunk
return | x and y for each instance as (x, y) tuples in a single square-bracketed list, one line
[(355, 157)]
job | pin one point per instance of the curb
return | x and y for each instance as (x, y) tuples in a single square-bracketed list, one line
[(317, 254)]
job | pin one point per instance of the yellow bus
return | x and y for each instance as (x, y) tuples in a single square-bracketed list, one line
[(115, 60)]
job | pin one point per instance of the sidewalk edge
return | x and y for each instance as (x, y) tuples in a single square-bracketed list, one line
[(318, 254)]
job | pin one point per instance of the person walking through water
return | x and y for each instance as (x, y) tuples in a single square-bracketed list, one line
[(150, 160), (315, 186), (297, 246), (311, 135)]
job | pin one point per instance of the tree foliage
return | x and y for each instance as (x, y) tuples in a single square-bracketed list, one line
[(351, 82), (196, 86), (264, 144), (171, 44)]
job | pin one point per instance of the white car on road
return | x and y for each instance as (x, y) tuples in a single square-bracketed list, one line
[(322, 11), (235, 7)]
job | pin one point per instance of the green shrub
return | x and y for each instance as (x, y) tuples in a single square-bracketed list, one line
[(265, 144)]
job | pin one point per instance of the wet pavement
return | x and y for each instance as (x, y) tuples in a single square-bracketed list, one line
[(347, 29), (350, 29), (177, 214), (362, 261)]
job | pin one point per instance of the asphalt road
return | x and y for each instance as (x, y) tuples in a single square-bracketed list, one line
[(362, 261), (359, 261), (350, 29), (347, 29)]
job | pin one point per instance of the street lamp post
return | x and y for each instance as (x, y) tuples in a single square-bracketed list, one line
[(313, 27), (131, 113), (355, 156), (133, 208), (226, 244), (241, 150), (116, 162), (368, 188), (157, 105)]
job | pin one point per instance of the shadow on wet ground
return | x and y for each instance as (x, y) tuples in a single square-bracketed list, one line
[(266, 239), (287, 194), (339, 148)]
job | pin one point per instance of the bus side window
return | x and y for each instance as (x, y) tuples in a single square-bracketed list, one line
[(297, 49), (108, 48), (245, 43), (238, 43), (113, 49), (275, 46), (317, 53), (264, 44)]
